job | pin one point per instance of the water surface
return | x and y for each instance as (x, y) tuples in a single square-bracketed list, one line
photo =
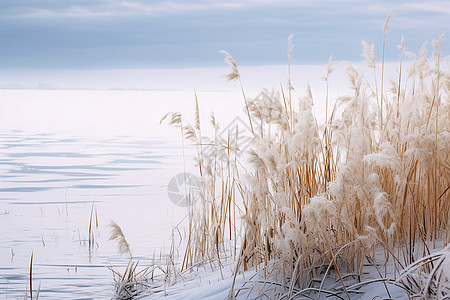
[(49, 184)]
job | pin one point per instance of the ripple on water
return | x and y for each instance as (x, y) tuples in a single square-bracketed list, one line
[(49, 185)]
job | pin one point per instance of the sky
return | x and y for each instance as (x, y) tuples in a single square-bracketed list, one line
[(109, 43), (136, 34)]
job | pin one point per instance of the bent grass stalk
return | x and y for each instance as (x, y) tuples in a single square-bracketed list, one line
[(233, 76)]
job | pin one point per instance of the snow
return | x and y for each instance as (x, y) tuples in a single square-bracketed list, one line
[(208, 281)]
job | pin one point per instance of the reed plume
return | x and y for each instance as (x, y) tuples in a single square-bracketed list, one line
[(119, 237)]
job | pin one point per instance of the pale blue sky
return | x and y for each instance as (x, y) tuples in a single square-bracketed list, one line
[(115, 34)]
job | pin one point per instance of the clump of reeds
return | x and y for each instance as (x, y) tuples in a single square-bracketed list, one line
[(376, 174), (212, 221), (131, 282)]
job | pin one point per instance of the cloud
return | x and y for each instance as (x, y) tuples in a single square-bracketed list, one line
[(104, 9), (438, 7), (117, 8), (107, 8)]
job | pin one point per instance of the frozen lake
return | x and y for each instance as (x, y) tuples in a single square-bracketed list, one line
[(64, 152)]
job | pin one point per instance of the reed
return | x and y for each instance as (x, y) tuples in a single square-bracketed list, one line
[(93, 224), (31, 276), (375, 175), (36, 295)]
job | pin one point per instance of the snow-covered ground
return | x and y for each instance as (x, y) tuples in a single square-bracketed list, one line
[(381, 280)]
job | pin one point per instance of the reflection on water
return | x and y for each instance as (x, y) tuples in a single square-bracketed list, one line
[(48, 185)]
